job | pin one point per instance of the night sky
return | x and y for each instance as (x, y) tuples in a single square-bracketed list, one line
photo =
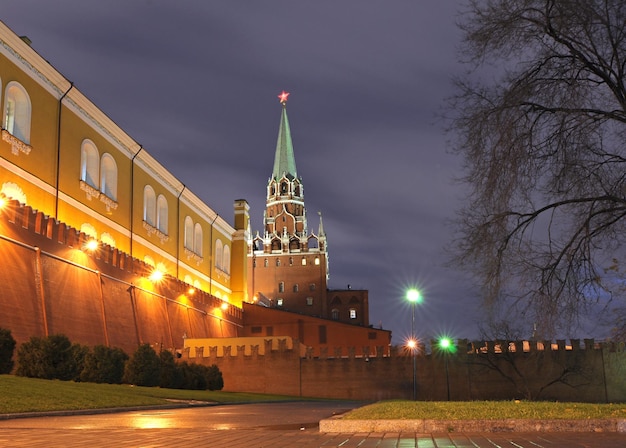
[(196, 83)]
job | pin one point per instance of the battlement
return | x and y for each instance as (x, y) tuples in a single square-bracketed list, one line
[(267, 346)]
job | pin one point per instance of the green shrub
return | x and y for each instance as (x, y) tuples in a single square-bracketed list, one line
[(170, 373), (199, 377), (214, 378), (7, 347), (104, 365), (53, 357), (143, 368)]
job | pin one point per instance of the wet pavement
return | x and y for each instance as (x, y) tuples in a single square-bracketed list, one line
[(291, 425)]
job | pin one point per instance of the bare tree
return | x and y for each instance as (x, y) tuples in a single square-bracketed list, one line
[(544, 148)]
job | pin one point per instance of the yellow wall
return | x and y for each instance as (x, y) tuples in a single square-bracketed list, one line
[(36, 175)]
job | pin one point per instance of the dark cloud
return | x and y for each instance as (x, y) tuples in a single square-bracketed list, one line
[(195, 83)]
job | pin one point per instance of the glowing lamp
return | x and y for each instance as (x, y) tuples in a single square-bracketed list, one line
[(224, 306), (445, 343), (156, 276), (413, 295), (91, 245)]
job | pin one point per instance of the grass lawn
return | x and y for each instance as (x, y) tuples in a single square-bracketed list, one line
[(21, 394), (486, 410)]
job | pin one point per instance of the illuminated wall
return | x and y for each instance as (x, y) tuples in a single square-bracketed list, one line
[(61, 155)]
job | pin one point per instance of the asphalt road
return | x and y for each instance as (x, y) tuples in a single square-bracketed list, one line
[(276, 425)]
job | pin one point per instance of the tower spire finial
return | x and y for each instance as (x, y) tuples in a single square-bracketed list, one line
[(283, 97)]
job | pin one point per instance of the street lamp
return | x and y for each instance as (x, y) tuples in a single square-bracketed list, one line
[(413, 296), (445, 344)]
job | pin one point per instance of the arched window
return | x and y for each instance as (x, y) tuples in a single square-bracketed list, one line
[(197, 239), (162, 214), (219, 251), (106, 238), (149, 205), (226, 261), (334, 314), (108, 176), (89, 163), (17, 111), (13, 191), (89, 230), (188, 233)]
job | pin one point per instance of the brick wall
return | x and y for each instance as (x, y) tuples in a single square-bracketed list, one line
[(50, 286), (592, 374)]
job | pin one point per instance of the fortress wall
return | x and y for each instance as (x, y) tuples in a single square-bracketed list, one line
[(93, 298), (21, 307), (73, 302), (595, 374)]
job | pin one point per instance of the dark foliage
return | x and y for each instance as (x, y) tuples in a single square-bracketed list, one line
[(7, 347), (53, 357), (143, 368), (104, 365)]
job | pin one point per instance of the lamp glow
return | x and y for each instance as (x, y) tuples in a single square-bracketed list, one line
[(156, 276), (91, 245), (413, 295)]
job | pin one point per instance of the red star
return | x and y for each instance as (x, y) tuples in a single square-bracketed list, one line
[(283, 97)]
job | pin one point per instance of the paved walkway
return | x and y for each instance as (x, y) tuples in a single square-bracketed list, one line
[(288, 425), (311, 437)]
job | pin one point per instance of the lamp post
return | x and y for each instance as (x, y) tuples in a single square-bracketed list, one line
[(413, 296), (445, 344)]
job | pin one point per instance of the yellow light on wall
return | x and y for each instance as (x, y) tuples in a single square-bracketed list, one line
[(156, 276), (91, 245), (224, 306)]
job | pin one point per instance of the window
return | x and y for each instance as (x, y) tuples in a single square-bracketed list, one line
[(312, 287), (278, 262), (334, 314), (17, 111), (219, 253), (161, 223), (149, 205), (13, 191), (317, 261), (290, 261), (226, 260), (279, 302), (256, 329), (309, 301), (197, 240), (352, 313), (89, 161), (188, 236), (281, 286), (303, 261), (108, 176), (265, 263), (295, 288)]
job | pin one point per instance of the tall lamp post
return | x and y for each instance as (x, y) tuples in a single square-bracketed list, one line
[(414, 297), (445, 344)]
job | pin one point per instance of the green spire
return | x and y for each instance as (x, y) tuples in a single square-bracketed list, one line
[(284, 160)]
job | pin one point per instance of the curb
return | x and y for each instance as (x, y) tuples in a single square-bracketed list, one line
[(339, 425)]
